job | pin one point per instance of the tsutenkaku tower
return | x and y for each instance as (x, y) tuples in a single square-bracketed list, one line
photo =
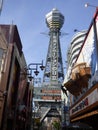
[(54, 67), (53, 74)]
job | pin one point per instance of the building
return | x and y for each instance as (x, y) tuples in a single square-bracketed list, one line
[(14, 87), (72, 53), (3, 50), (82, 82), (75, 47)]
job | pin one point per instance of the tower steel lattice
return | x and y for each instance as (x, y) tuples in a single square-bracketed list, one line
[(53, 73)]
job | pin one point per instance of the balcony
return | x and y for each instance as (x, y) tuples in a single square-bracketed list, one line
[(80, 70), (79, 79)]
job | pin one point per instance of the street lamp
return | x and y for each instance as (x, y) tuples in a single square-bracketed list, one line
[(26, 73), (76, 30), (87, 4), (80, 31), (33, 67), (36, 67)]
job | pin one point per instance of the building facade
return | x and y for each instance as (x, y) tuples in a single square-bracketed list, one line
[(82, 83), (14, 88), (72, 53), (75, 46)]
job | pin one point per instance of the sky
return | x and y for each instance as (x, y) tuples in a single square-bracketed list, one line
[(29, 16)]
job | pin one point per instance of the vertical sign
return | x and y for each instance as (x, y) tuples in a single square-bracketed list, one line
[(54, 60)]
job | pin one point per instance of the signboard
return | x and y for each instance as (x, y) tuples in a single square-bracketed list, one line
[(54, 60), (85, 103)]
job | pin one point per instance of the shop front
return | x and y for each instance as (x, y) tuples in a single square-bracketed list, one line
[(85, 110)]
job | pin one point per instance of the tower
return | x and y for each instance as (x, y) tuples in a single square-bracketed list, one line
[(50, 93), (53, 73)]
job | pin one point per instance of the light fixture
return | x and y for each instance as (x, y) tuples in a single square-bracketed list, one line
[(36, 72), (80, 31), (42, 67), (36, 67), (30, 77), (32, 67), (27, 71), (87, 4), (75, 30)]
